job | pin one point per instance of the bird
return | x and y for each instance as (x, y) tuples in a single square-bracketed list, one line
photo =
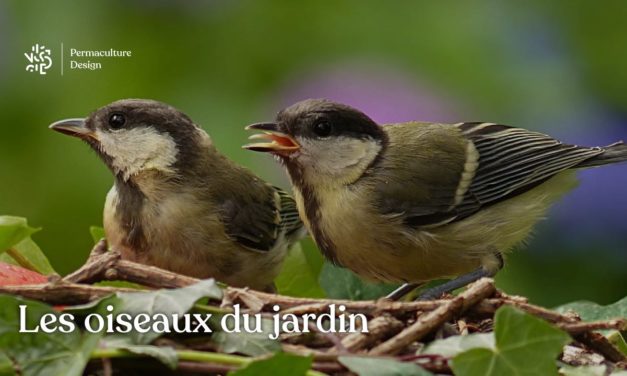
[(178, 203), (418, 201)]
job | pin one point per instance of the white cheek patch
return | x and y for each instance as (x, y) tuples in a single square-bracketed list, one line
[(138, 149), (342, 158)]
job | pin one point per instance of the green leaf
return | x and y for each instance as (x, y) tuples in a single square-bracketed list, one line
[(17, 248), (13, 230), (168, 302), (28, 249), (166, 355), (341, 283), (525, 345), (253, 344), (372, 366), (618, 340), (281, 364), (300, 272), (124, 284), (583, 370), (6, 365), (97, 233), (451, 346), (40, 353), (590, 311)]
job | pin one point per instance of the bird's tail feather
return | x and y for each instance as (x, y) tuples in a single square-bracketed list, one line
[(614, 153)]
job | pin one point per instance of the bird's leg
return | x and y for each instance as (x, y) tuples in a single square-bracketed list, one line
[(403, 290), (462, 280)]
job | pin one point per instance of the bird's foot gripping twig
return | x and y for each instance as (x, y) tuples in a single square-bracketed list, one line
[(454, 284)]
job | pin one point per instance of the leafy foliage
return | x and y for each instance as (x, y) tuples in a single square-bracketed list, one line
[(525, 345), (13, 230), (168, 302), (521, 344), (590, 311), (40, 353), (281, 364), (341, 283), (96, 233), (370, 366), (451, 346), (253, 344), (299, 276), (17, 248)]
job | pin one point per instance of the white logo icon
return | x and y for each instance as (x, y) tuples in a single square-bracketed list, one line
[(39, 58)]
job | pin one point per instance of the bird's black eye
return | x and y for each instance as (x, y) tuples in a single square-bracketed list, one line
[(116, 121), (322, 129)]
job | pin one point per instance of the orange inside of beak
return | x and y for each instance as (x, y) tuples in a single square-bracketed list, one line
[(283, 141)]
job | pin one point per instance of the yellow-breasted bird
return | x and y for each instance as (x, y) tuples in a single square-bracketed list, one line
[(178, 203), (413, 202)]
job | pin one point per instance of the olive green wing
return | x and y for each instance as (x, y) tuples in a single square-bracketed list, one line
[(259, 221), (461, 168)]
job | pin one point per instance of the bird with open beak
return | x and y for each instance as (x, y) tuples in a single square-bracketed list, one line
[(178, 203), (412, 202)]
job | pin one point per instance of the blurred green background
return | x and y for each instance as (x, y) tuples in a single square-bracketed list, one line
[(539, 65)]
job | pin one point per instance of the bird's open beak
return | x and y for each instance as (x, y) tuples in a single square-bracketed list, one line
[(73, 127), (280, 143)]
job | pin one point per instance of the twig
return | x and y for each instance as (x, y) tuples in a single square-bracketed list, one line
[(106, 367), (600, 344), (426, 323), (489, 307), (322, 356), (95, 267), (299, 306), (379, 328), (110, 266), (581, 327), (62, 292)]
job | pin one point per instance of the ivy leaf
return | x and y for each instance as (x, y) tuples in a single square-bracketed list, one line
[(28, 250), (97, 233), (165, 354), (13, 230), (300, 272), (41, 353), (166, 301), (17, 248), (372, 366), (252, 344), (598, 370), (590, 311), (281, 364), (525, 345), (341, 283), (451, 346)]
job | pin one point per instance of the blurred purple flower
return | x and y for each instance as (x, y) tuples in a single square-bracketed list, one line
[(385, 93), (597, 207)]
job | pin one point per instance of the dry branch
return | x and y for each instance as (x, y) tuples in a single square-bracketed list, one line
[(394, 327)]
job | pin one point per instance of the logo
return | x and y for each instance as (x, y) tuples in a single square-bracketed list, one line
[(39, 59)]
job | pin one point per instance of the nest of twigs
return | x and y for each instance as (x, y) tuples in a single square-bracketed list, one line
[(396, 329)]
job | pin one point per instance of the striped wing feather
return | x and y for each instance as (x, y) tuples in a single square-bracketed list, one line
[(512, 161)]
